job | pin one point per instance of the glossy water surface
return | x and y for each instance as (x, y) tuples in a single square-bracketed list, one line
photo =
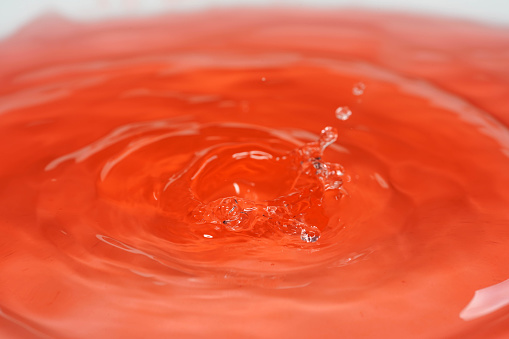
[(255, 174)]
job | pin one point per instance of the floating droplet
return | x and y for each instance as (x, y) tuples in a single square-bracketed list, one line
[(343, 113), (358, 88)]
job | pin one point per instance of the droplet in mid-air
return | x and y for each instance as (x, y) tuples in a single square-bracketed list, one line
[(358, 89), (343, 113)]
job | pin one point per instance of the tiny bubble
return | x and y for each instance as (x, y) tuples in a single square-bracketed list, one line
[(263, 79), (343, 113), (358, 89)]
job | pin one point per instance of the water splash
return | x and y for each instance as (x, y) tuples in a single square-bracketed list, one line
[(285, 214)]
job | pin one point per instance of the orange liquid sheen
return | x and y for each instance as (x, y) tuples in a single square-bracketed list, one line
[(255, 174)]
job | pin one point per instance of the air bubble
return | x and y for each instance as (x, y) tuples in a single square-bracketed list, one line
[(343, 113)]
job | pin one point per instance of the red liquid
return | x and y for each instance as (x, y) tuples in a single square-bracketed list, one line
[(164, 177)]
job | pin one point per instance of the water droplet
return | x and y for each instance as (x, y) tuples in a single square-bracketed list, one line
[(309, 237), (343, 113), (328, 136), (263, 79), (358, 88)]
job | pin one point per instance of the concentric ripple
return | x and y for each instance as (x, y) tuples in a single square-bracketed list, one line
[(243, 178), (229, 177)]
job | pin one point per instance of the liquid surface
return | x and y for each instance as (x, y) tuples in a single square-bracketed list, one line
[(255, 174)]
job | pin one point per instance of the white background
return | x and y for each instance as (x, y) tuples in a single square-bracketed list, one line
[(15, 13)]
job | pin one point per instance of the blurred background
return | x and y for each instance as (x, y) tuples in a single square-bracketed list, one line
[(14, 14)]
